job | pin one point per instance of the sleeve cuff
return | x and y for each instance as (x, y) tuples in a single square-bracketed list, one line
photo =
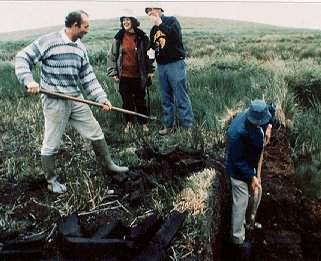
[(28, 80), (103, 100)]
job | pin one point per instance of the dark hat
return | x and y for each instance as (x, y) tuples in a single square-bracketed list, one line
[(258, 113)]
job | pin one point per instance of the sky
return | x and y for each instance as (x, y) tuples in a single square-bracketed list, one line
[(21, 15)]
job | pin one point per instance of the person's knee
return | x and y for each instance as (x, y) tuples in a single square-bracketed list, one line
[(95, 134)]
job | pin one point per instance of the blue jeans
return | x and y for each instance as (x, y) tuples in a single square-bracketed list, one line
[(172, 83)]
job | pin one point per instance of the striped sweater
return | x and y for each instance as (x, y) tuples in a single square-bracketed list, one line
[(63, 63)]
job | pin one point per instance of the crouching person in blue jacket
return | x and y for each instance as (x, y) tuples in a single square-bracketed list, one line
[(246, 135)]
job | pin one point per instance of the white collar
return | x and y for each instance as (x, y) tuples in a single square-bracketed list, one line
[(66, 38)]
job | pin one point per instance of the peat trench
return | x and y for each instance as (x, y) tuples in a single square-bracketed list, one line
[(291, 221), (84, 237)]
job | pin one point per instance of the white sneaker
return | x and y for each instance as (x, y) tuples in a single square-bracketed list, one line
[(56, 187)]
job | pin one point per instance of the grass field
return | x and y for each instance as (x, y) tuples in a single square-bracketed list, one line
[(229, 63)]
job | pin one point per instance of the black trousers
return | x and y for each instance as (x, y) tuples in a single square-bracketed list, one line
[(133, 96)]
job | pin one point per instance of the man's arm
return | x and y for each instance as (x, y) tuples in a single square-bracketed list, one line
[(268, 134), (93, 88), (171, 28), (90, 83), (237, 156), (268, 127), (25, 61), (151, 37)]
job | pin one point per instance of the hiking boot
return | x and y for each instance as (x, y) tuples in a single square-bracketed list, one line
[(166, 131), (145, 128), (129, 126)]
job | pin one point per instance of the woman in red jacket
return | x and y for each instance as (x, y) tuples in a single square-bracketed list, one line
[(130, 67)]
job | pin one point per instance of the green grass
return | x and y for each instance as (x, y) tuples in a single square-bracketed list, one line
[(229, 63)]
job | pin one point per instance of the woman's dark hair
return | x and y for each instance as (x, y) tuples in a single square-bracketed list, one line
[(135, 22), (74, 17)]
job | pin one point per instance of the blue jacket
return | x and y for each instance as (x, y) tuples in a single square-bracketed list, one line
[(245, 144)]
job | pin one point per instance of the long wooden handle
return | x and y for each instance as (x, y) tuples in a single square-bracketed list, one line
[(63, 96), (259, 166), (257, 191)]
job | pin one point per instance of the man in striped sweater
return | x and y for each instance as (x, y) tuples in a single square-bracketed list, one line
[(64, 61)]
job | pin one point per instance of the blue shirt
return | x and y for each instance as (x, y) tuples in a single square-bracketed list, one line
[(245, 144)]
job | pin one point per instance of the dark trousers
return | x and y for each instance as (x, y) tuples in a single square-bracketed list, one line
[(133, 96)]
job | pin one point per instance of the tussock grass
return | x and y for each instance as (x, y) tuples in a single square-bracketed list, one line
[(197, 199)]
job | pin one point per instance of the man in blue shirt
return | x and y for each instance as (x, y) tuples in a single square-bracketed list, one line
[(246, 135)]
